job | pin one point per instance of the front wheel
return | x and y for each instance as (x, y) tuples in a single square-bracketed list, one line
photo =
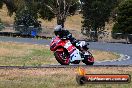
[(62, 58), (89, 60)]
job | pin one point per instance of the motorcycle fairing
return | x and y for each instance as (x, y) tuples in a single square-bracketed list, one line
[(74, 52)]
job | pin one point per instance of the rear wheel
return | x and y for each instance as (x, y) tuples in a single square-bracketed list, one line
[(62, 57)]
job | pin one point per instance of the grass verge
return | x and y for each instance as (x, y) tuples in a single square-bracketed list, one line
[(19, 54), (104, 55), (25, 54), (56, 77)]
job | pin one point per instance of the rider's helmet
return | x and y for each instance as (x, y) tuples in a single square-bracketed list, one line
[(58, 29)]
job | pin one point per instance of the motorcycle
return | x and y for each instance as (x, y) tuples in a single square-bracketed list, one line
[(66, 53)]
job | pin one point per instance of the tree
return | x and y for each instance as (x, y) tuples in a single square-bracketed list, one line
[(26, 14), (48, 9), (26, 18), (59, 9), (28, 11), (10, 7), (9, 4), (1, 24), (1, 4), (124, 18), (95, 14), (123, 21)]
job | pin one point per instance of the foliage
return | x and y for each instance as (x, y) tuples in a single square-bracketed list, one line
[(1, 3), (27, 17), (47, 9), (124, 18), (58, 8), (10, 5), (95, 14)]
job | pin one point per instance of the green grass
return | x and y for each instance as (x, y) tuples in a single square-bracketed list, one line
[(18, 54), (25, 55)]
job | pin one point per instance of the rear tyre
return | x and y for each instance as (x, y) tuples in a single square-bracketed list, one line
[(62, 58)]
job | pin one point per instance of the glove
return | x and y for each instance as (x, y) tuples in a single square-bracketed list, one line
[(69, 36)]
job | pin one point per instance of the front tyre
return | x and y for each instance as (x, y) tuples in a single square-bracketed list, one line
[(89, 60), (62, 58)]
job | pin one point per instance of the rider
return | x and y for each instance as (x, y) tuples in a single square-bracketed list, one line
[(65, 34)]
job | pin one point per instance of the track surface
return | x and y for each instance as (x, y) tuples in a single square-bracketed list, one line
[(125, 49)]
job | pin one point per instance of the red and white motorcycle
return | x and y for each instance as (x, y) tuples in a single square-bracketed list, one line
[(66, 53)]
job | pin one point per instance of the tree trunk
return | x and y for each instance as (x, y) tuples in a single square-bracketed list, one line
[(60, 21), (96, 32), (96, 35)]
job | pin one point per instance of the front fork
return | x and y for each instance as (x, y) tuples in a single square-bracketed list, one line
[(85, 54)]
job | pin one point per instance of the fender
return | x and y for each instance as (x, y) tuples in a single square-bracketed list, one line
[(56, 43)]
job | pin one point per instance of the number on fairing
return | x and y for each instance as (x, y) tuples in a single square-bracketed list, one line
[(67, 44)]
